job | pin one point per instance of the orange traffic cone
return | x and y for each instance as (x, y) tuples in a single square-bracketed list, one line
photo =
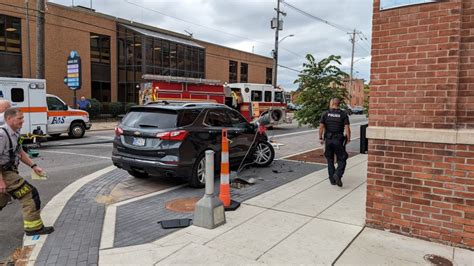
[(224, 191)]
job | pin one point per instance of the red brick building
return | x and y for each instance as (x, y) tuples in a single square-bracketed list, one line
[(355, 91), (115, 52), (421, 124)]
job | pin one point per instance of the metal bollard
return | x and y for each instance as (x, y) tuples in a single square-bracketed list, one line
[(209, 173), (209, 211)]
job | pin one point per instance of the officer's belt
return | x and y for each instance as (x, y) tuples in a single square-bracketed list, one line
[(330, 135)]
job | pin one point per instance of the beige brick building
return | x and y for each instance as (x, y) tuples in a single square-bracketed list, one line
[(114, 52)]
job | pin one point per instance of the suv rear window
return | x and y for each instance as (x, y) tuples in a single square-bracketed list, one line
[(151, 119), (187, 117)]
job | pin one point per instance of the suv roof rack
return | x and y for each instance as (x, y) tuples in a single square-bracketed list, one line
[(203, 104)]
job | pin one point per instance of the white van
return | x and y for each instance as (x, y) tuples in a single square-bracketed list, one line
[(44, 113)]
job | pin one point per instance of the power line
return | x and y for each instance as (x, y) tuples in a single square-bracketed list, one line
[(203, 26), (339, 27), (289, 68)]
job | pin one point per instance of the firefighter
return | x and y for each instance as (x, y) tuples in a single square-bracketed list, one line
[(11, 183), (332, 125)]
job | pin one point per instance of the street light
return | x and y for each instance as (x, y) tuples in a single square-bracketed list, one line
[(291, 35), (275, 59)]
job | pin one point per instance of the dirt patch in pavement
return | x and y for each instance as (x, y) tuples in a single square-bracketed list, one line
[(19, 257), (315, 156)]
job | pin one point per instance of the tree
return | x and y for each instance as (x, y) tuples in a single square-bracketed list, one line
[(319, 82)]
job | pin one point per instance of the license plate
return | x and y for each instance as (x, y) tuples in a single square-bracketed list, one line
[(138, 141)]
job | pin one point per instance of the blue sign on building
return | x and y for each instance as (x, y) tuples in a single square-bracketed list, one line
[(73, 78)]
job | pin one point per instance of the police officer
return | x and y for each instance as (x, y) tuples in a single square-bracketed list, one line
[(11, 183), (331, 131)]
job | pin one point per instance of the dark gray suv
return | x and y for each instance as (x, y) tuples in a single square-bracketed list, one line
[(171, 139)]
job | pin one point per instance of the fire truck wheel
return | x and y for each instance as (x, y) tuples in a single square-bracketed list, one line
[(77, 130), (264, 154), (137, 174), (198, 178)]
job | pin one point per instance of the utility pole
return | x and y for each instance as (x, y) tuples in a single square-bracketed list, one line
[(28, 45), (40, 7), (352, 66), (278, 26)]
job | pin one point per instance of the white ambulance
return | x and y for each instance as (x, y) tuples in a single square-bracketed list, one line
[(44, 113)]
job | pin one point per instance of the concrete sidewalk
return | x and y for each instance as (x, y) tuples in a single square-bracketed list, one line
[(307, 221), (96, 126)]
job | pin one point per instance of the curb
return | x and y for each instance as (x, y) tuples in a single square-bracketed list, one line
[(53, 209)]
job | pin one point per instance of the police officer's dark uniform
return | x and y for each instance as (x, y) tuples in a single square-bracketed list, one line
[(334, 121), (16, 186)]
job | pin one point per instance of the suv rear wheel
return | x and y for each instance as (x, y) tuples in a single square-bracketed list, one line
[(264, 154), (198, 177)]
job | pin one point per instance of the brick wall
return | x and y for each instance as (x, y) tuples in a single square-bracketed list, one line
[(415, 56), (420, 178), (466, 75), (422, 189)]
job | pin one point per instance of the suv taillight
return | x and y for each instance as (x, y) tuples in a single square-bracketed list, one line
[(173, 135), (118, 131)]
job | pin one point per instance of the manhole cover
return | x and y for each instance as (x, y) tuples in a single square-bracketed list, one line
[(182, 205), (437, 260)]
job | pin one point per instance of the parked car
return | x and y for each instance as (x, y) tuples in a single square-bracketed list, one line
[(358, 110), (294, 107), (171, 140)]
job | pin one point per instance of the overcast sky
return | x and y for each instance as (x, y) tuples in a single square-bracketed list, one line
[(245, 25)]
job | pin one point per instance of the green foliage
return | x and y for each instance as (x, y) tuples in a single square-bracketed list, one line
[(128, 106), (95, 108), (105, 108), (319, 82), (116, 108), (366, 99)]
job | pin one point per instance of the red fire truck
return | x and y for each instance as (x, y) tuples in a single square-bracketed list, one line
[(251, 100)]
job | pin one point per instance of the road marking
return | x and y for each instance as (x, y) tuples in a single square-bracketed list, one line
[(298, 153), (308, 131), (78, 154)]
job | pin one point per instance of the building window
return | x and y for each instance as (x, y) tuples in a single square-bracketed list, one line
[(244, 72), (10, 47), (232, 71), (269, 76), (100, 49), (100, 67), (144, 54)]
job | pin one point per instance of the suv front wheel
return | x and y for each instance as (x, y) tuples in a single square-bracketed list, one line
[(264, 154)]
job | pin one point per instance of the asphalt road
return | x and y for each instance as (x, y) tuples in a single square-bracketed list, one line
[(67, 160)]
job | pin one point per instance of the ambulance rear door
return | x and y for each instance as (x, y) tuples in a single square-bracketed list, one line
[(29, 95)]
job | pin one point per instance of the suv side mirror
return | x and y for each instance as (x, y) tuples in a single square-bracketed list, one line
[(65, 107)]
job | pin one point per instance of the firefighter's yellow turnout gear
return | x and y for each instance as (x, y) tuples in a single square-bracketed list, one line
[(28, 196)]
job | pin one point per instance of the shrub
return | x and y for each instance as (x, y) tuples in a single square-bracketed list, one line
[(128, 106), (105, 108), (95, 108), (116, 108)]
